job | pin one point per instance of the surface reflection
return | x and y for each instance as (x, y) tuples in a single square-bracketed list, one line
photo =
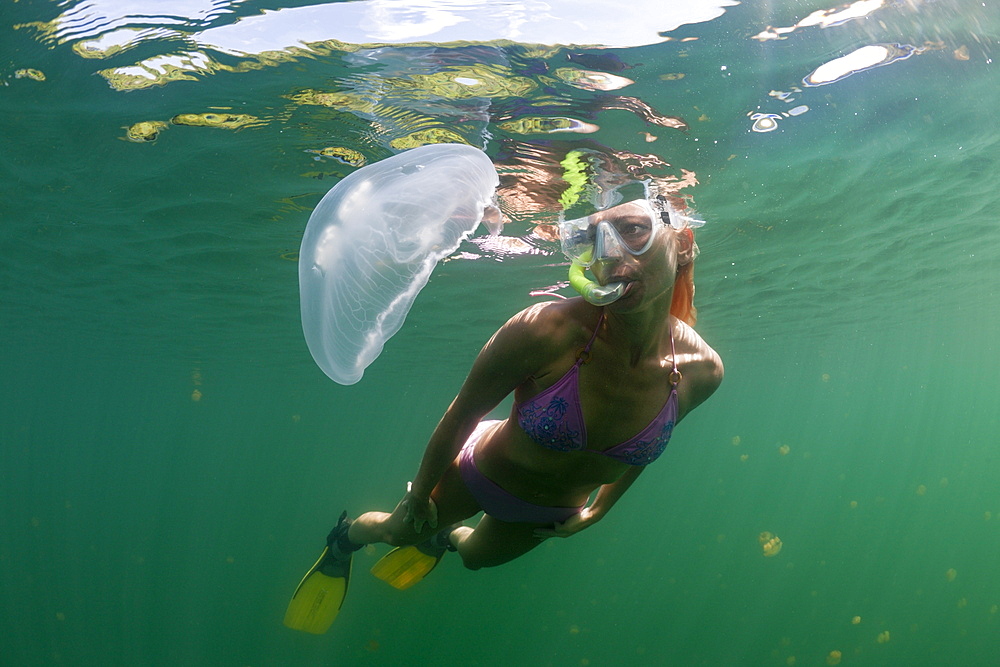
[(520, 80), (209, 30)]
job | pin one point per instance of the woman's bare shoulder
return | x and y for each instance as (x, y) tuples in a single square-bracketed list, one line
[(552, 326), (527, 346), (702, 366)]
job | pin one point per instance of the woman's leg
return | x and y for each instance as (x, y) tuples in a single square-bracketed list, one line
[(454, 503), (495, 542), (490, 543)]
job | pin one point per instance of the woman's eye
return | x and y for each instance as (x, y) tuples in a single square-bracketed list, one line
[(633, 229)]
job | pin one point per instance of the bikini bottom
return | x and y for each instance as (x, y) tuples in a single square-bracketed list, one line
[(497, 502)]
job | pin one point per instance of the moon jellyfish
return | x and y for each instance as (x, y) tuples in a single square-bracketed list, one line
[(372, 242)]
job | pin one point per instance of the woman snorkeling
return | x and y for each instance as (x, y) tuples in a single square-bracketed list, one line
[(599, 383)]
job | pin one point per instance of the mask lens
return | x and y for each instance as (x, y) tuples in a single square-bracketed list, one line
[(577, 238), (632, 230)]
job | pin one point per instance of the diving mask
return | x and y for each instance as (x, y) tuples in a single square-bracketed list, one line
[(627, 228), (611, 233)]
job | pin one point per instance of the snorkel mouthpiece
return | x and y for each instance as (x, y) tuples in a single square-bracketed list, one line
[(591, 291)]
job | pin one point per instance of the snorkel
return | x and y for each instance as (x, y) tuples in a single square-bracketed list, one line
[(592, 291), (577, 172)]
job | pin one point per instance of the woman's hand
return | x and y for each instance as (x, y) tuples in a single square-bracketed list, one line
[(571, 526), (419, 510)]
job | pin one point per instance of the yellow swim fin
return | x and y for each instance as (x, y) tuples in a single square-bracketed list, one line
[(405, 566), (319, 596)]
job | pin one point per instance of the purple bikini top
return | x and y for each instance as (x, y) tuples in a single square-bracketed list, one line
[(554, 418)]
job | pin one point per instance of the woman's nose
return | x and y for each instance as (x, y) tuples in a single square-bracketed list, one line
[(606, 245)]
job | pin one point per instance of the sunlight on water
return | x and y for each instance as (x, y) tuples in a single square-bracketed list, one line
[(171, 457)]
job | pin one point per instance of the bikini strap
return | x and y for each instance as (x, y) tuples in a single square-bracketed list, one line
[(675, 374), (584, 355)]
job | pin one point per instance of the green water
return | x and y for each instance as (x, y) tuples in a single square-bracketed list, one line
[(171, 457)]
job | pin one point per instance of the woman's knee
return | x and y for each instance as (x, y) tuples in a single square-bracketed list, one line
[(474, 562), (479, 558), (479, 561)]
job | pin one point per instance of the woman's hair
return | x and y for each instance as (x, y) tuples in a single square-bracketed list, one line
[(679, 216), (682, 304)]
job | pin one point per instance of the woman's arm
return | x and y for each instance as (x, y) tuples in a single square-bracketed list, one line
[(447, 438), (607, 496), (510, 357)]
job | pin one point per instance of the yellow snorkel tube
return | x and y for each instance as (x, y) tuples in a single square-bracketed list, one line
[(577, 172), (592, 291)]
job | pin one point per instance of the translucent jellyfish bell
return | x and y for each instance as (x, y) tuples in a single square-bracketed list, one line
[(372, 242)]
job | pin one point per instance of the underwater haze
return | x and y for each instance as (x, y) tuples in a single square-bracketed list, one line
[(171, 458)]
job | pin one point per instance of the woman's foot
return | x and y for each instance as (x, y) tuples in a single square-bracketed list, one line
[(439, 542)]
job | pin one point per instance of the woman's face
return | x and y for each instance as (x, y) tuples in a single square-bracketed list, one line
[(649, 274), (627, 229)]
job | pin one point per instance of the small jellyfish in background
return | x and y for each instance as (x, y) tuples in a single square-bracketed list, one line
[(371, 243), (951, 574), (833, 658), (764, 122), (770, 544)]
